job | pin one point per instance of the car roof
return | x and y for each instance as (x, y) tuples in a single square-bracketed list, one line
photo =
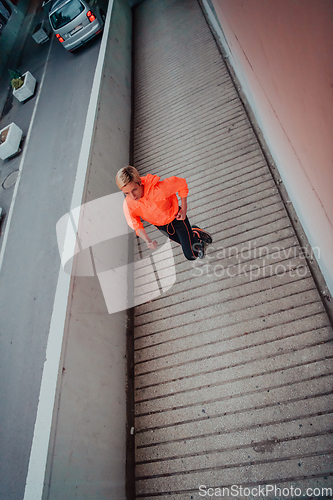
[(59, 3)]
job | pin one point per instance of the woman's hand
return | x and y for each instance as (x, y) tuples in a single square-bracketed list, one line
[(182, 211), (152, 244), (181, 214)]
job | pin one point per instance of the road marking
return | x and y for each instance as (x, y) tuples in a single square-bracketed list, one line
[(42, 431)]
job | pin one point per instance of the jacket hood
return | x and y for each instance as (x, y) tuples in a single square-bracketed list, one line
[(149, 181)]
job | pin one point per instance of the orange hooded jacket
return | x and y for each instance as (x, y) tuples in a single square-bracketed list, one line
[(159, 203)]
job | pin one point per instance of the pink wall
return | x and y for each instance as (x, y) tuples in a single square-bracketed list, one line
[(282, 53)]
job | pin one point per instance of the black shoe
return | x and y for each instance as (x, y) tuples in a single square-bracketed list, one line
[(202, 235), (200, 249)]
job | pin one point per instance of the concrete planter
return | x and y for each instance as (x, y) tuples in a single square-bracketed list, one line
[(40, 35), (27, 89), (12, 140)]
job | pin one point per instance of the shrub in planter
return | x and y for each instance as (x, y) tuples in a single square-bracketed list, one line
[(10, 139), (23, 85), (16, 79)]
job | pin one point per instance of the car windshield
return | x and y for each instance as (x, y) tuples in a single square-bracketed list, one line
[(66, 13)]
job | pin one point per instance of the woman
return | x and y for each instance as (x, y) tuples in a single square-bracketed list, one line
[(156, 202)]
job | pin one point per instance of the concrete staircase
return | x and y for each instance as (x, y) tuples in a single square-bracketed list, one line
[(233, 363)]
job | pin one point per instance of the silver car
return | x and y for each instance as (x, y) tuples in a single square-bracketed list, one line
[(75, 22)]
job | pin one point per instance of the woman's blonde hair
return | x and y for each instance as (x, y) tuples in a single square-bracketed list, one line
[(126, 175)]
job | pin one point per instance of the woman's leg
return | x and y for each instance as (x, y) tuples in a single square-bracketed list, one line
[(181, 232), (169, 231), (188, 240)]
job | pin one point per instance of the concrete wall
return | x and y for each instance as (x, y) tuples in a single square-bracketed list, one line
[(11, 31), (281, 53), (133, 3), (88, 447)]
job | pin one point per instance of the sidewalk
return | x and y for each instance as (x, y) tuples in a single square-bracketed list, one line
[(24, 54), (233, 381), (23, 44)]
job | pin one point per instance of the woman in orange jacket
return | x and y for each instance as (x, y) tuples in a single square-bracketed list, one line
[(155, 201)]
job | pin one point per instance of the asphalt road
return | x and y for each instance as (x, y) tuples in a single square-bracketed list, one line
[(31, 261)]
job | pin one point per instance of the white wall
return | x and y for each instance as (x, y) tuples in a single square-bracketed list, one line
[(281, 53), (88, 451)]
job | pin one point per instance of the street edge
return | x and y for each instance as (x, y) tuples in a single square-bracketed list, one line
[(43, 424)]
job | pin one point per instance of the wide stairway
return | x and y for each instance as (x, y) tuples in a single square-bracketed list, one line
[(233, 361)]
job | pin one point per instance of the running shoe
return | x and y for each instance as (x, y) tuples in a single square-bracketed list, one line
[(201, 249), (202, 235)]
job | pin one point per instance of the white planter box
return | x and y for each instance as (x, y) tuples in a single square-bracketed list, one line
[(27, 89), (40, 34), (12, 142)]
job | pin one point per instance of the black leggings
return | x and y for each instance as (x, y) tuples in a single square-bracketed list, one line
[(181, 232)]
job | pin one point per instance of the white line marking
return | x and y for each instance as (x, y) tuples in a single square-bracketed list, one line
[(42, 431)]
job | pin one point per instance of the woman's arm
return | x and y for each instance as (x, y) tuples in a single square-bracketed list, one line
[(183, 210), (150, 244)]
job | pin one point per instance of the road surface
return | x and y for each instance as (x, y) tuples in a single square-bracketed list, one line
[(30, 264)]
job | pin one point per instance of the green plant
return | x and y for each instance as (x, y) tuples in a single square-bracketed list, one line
[(17, 83), (16, 79)]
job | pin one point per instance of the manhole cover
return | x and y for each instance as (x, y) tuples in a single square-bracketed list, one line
[(11, 179)]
